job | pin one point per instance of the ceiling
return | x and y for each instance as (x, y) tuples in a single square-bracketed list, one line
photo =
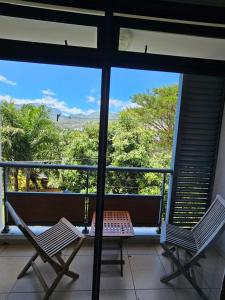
[(201, 2)]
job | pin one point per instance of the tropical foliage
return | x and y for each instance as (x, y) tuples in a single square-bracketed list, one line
[(141, 137)]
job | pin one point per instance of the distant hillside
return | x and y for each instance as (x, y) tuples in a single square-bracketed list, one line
[(74, 121), (77, 121)]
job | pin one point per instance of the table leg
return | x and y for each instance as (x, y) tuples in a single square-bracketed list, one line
[(121, 256)]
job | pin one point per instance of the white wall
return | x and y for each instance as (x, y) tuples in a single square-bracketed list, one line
[(1, 221), (219, 185)]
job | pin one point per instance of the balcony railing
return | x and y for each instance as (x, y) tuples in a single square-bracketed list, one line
[(45, 208)]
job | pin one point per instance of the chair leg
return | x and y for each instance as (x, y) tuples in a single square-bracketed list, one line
[(64, 266), (171, 249), (181, 270), (65, 271), (27, 266), (71, 274), (53, 286)]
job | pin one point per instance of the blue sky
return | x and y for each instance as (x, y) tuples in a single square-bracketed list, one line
[(74, 90)]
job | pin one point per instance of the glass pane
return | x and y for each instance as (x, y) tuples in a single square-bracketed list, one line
[(48, 32), (50, 115), (142, 108), (141, 41)]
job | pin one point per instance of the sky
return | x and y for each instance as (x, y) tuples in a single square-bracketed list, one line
[(74, 90)]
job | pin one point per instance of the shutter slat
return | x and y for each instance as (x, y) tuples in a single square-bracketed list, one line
[(196, 147)]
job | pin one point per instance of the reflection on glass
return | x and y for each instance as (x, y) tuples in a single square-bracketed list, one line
[(143, 41)]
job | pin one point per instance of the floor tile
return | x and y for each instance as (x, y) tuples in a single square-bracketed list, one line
[(180, 281), (15, 250), (159, 249), (2, 247), (111, 279), (9, 269), (25, 296), (110, 276), (115, 295), (30, 283), (140, 247), (83, 265), (112, 247), (79, 295), (213, 267), (87, 248), (159, 294), (187, 294), (143, 268), (216, 293), (147, 270)]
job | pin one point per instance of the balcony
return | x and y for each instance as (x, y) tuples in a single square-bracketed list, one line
[(144, 264), (143, 267), (146, 210)]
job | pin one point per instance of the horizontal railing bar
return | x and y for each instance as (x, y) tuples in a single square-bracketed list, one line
[(84, 194), (82, 167)]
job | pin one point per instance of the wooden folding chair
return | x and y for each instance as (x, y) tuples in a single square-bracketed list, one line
[(195, 242), (48, 246)]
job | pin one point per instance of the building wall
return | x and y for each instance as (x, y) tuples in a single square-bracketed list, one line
[(219, 185), (1, 212)]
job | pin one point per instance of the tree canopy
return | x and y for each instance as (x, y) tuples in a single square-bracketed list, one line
[(140, 137)]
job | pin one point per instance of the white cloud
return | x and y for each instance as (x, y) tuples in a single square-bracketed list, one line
[(130, 105), (90, 111), (49, 102), (90, 99), (119, 104), (48, 92), (93, 91), (115, 103), (5, 80)]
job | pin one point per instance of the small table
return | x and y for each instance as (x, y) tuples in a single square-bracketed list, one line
[(115, 224)]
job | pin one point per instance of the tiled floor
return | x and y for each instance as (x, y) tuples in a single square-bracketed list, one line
[(143, 267)]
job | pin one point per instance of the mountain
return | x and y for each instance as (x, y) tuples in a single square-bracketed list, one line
[(77, 121), (74, 121)]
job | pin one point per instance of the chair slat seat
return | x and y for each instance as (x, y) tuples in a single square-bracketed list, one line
[(57, 238), (179, 237)]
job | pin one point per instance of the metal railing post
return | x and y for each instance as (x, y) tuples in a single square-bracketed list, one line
[(5, 186), (86, 205), (161, 202)]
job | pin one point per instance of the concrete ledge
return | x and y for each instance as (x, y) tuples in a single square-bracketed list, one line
[(15, 235)]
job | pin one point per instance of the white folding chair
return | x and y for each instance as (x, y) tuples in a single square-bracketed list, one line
[(195, 242), (48, 246)]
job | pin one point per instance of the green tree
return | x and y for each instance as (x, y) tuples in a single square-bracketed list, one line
[(143, 138), (156, 111), (80, 148), (14, 144), (28, 133)]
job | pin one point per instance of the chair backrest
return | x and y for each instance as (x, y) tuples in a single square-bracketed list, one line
[(22, 226), (210, 225)]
